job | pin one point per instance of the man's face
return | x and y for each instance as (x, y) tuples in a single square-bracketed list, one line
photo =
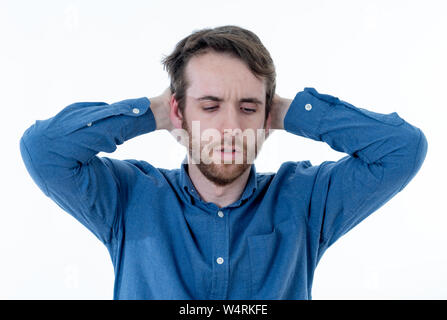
[(239, 113)]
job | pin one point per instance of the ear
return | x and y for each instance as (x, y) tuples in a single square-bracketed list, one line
[(268, 125), (175, 114)]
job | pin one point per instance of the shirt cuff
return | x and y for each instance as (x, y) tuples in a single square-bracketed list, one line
[(306, 112), (145, 119)]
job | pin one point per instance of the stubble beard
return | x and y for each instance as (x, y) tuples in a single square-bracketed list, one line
[(220, 174)]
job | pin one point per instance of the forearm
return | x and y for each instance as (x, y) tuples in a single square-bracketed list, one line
[(385, 140), (80, 131)]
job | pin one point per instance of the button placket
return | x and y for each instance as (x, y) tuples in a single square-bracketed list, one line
[(221, 254), (220, 214)]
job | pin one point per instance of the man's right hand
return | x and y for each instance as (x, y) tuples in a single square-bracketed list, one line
[(161, 108)]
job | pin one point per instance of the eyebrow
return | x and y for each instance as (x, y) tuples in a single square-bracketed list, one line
[(213, 98)]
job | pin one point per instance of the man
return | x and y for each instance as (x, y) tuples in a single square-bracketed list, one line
[(216, 229)]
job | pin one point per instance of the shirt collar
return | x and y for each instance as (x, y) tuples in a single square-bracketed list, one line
[(189, 188)]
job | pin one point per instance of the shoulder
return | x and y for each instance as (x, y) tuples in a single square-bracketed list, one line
[(132, 169), (291, 168), (288, 173)]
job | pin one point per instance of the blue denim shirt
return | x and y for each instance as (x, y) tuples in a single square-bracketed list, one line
[(165, 242)]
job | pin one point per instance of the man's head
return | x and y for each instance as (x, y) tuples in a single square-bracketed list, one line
[(223, 79)]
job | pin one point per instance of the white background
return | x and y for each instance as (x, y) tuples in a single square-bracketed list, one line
[(385, 56)]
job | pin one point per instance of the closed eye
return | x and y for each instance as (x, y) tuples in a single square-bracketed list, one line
[(249, 110)]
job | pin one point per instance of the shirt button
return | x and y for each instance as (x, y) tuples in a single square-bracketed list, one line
[(220, 214), (308, 106), (136, 110), (89, 124), (220, 260)]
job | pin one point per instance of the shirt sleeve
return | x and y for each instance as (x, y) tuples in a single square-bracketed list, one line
[(384, 152), (60, 154)]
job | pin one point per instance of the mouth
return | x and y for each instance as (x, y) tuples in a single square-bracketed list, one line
[(229, 150)]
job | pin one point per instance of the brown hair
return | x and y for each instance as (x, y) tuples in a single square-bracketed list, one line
[(237, 41)]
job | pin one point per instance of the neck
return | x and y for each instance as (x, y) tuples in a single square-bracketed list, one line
[(219, 195)]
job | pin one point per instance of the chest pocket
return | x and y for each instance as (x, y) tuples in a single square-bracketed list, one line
[(273, 260)]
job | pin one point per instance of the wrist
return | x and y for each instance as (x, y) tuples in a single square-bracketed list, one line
[(158, 113), (279, 111), (285, 108)]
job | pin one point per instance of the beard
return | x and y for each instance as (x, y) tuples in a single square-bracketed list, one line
[(221, 174)]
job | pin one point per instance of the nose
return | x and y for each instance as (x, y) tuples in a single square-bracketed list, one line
[(230, 121), (230, 128)]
